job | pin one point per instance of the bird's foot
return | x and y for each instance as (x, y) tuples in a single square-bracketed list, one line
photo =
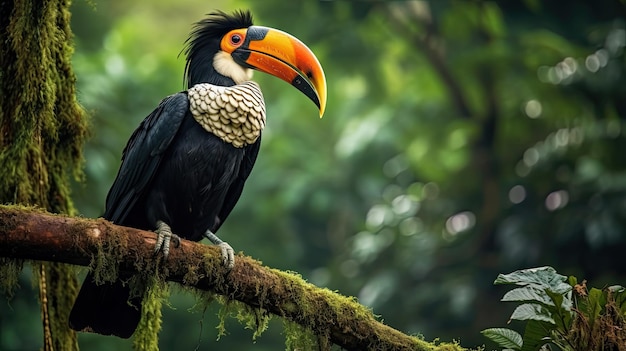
[(228, 254), (164, 237)]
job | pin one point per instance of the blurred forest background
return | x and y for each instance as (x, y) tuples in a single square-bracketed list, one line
[(462, 139)]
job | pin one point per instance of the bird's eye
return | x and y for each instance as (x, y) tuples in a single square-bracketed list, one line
[(235, 39)]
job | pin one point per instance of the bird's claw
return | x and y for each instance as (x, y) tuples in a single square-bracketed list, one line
[(164, 237), (228, 254)]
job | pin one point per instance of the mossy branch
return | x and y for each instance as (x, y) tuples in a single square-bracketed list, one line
[(36, 235)]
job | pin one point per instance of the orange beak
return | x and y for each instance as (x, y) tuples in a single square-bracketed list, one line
[(280, 54)]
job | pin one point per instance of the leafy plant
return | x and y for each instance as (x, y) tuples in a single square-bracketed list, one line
[(561, 314)]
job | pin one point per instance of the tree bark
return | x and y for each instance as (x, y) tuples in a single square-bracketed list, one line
[(34, 235)]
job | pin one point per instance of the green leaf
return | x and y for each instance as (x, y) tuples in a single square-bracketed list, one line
[(592, 305), (595, 304), (563, 300), (541, 277), (572, 280), (504, 337), (561, 309), (536, 334), (532, 311), (527, 294), (555, 299)]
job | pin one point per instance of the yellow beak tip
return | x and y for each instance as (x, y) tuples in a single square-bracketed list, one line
[(322, 112)]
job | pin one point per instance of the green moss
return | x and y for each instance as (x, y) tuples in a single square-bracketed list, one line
[(318, 308), (10, 270), (255, 319), (42, 132), (155, 291), (298, 338), (43, 126), (322, 307), (203, 299), (105, 263), (223, 314)]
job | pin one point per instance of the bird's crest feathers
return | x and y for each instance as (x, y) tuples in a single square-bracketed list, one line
[(204, 39)]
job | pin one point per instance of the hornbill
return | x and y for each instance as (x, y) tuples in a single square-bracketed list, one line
[(184, 167)]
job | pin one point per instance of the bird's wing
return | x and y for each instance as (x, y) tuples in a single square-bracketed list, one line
[(142, 155), (234, 191)]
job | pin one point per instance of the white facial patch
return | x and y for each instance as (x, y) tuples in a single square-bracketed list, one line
[(226, 66)]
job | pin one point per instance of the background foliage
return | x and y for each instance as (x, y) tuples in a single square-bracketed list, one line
[(462, 139)]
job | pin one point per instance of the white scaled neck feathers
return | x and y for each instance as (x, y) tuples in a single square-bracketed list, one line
[(235, 114)]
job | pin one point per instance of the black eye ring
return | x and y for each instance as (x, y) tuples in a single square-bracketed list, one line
[(235, 39)]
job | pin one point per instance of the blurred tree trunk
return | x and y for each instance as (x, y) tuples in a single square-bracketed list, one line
[(42, 131)]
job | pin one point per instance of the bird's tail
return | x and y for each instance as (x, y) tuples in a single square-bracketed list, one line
[(105, 309)]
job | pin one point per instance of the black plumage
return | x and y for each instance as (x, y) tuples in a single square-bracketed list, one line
[(173, 171)]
